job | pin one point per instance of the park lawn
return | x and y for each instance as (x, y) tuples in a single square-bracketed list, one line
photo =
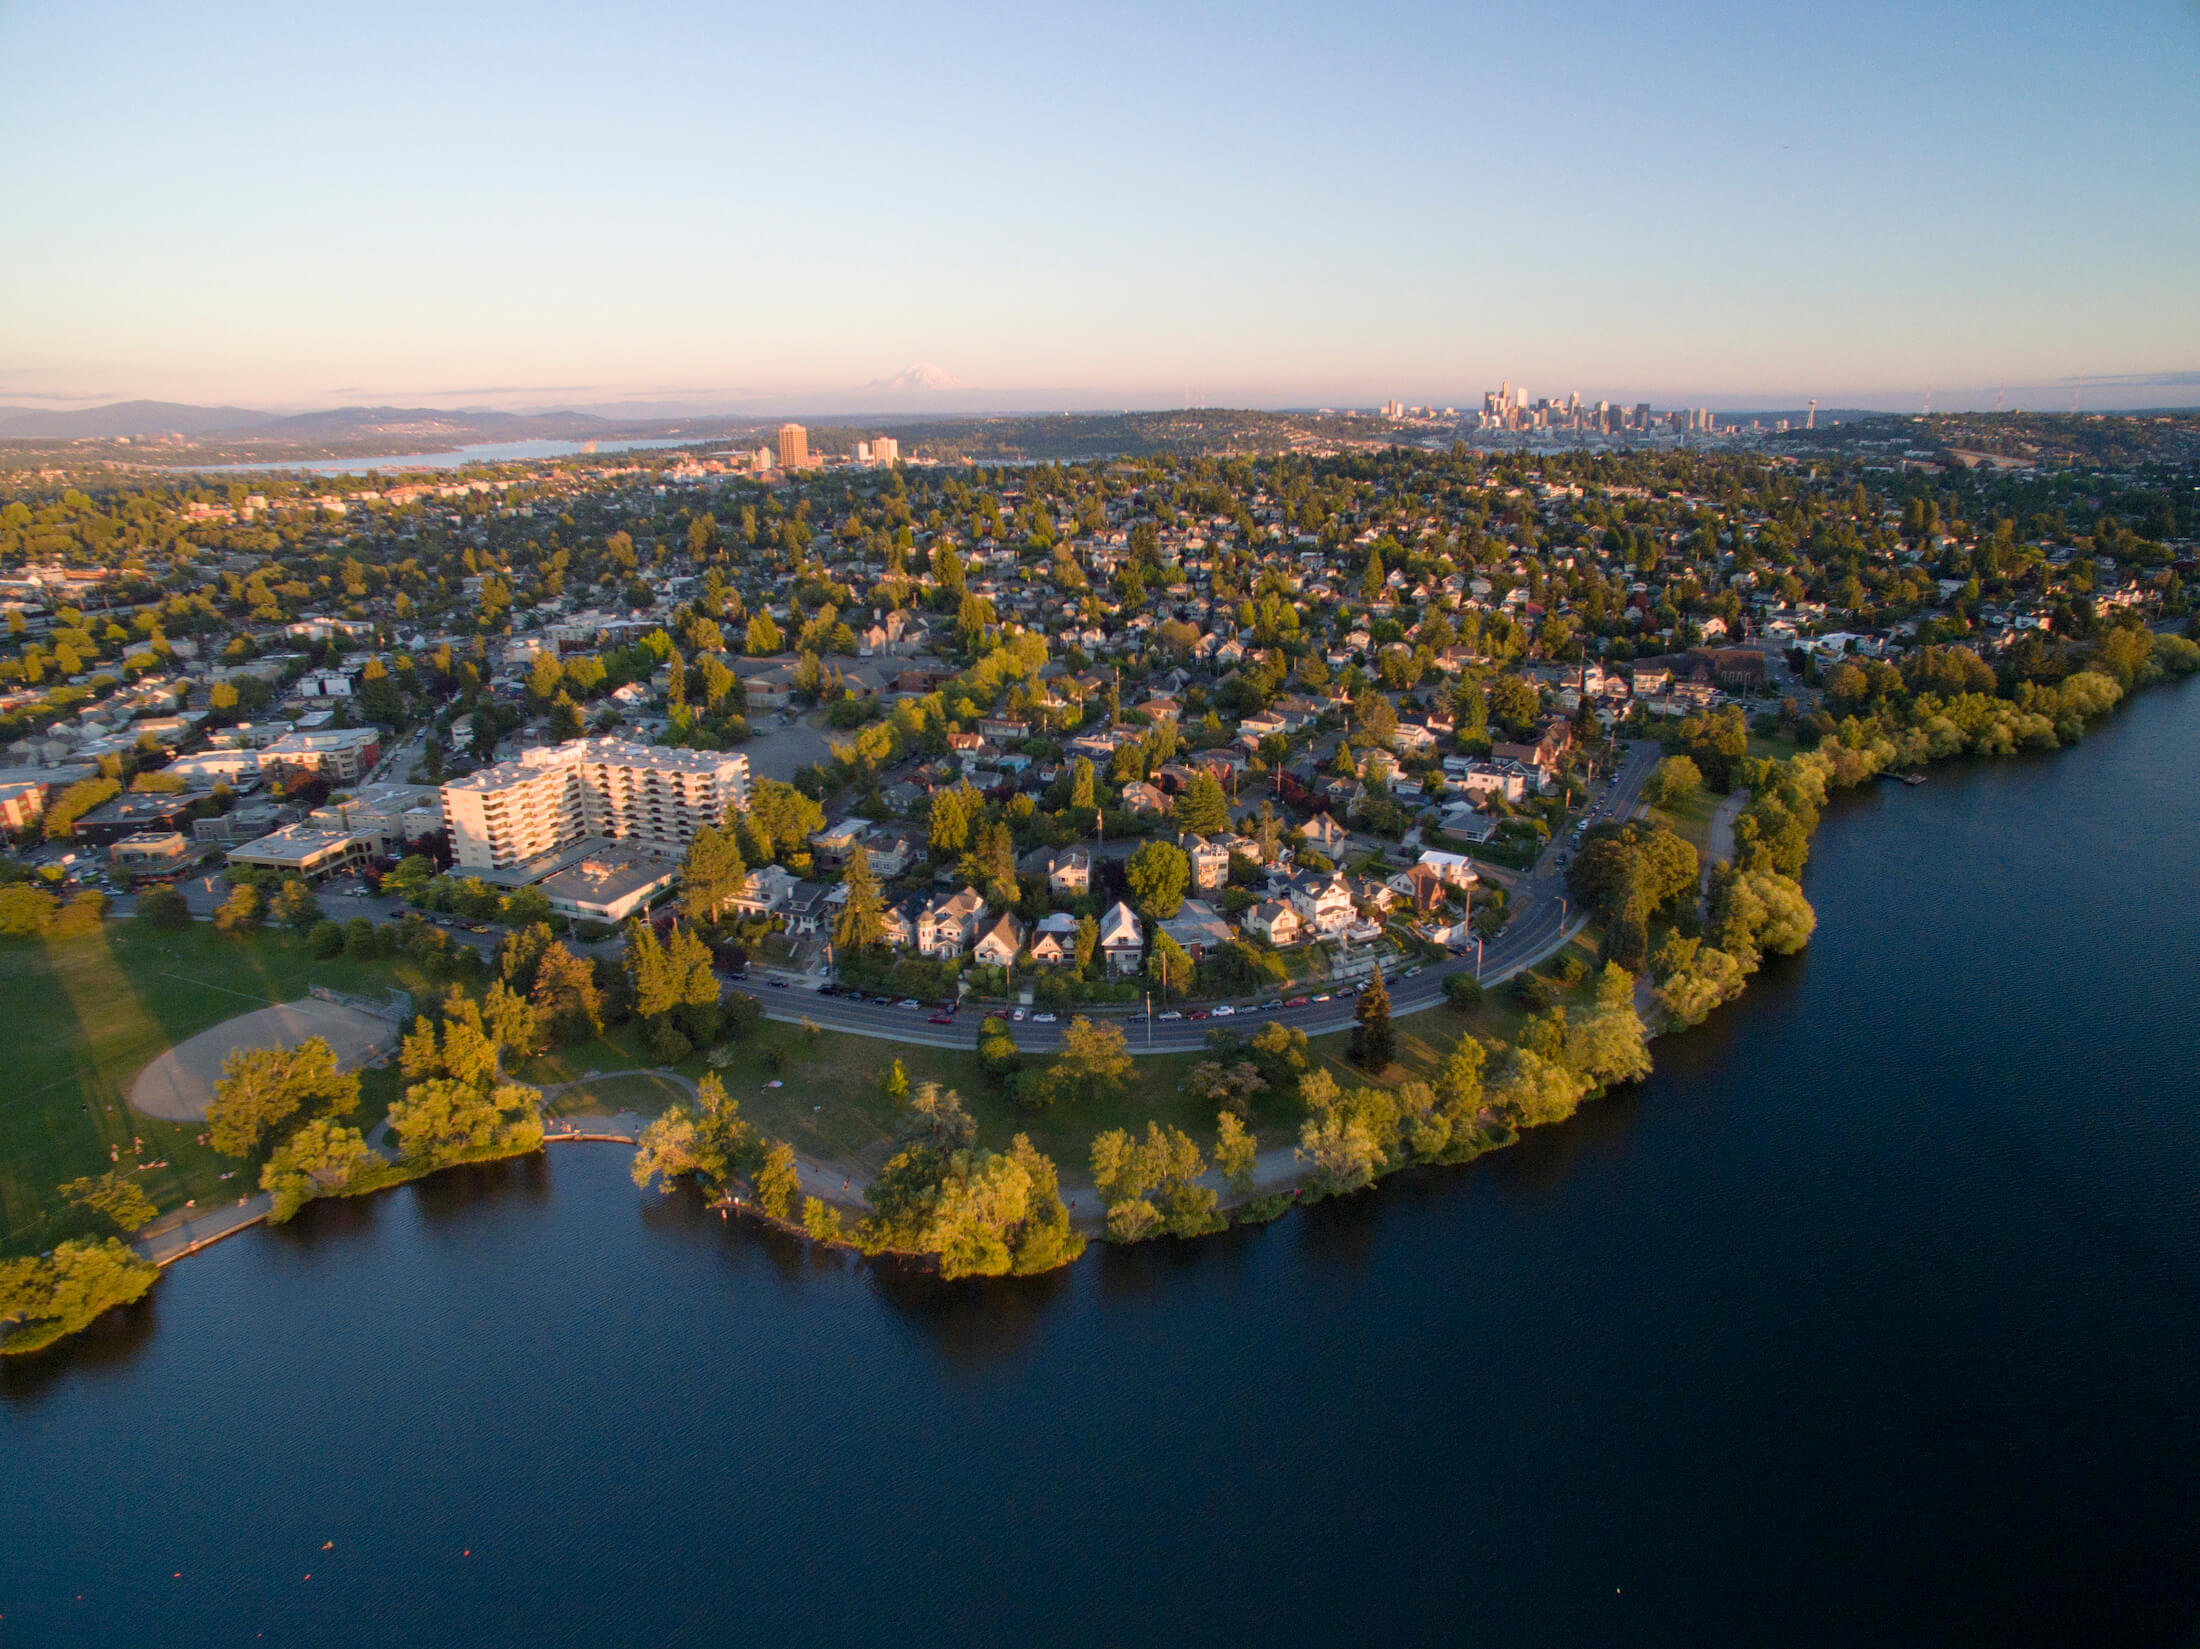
[(832, 1102), (81, 1017), (1691, 821), (1778, 746)]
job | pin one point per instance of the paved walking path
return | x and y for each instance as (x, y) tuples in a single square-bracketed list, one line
[(187, 1230), (1721, 849)]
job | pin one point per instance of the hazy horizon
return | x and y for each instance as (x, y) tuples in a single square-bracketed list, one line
[(762, 211)]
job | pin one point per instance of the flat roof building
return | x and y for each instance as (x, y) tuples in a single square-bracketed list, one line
[(341, 755), (149, 853), (305, 852), (607, 887)]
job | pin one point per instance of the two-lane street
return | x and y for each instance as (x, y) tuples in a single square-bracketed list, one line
[(1543, 918)]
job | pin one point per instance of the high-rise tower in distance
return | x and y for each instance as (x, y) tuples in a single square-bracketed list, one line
[(794, 447)]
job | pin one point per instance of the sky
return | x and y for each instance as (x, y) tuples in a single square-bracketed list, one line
[(784, 207)]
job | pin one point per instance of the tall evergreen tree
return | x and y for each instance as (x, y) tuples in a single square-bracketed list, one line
[(1202, 808), (712, 875), (861, 925), (1374, 1042)]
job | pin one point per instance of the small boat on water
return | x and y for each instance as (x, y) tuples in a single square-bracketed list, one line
[(1913, 778)]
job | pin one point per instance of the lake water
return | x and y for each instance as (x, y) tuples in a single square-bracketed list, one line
[(487, 452), (1873, 1318)]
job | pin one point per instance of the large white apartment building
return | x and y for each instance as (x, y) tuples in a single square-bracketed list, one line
[(549, 798)]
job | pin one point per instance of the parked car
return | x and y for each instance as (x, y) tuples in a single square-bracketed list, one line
[(910, 1002), (1171, 1013), (943, 1019), (1300, 1001), (1224, 1011), (1018, 1016), (1043, 1018)]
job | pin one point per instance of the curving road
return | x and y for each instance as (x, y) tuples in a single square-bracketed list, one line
[(1543, 919)]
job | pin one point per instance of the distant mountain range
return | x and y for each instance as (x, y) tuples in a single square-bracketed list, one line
[(125, 418), (137, 420)]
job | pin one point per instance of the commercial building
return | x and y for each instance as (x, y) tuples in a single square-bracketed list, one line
[(129, 814), (387, 815), (553, 797), (149, 853), (304, 852), (794, 447)]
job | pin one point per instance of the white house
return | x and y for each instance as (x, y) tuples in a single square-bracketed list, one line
[(1122, 939)]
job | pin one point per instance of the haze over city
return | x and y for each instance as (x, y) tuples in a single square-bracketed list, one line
[(678, 206)]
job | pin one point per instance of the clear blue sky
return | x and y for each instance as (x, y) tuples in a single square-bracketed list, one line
[(1113, 204)]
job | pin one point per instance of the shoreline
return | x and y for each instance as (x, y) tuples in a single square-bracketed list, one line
[(1087, 1215)]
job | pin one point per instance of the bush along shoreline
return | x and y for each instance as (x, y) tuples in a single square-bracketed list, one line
[(943, 1199)]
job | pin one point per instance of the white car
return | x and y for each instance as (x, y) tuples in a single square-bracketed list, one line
[(1043, 1018), (1224, 1011), (1170, 1014)]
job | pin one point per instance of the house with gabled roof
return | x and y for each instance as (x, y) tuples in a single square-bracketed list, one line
[(1054, 940), (1122, 939)]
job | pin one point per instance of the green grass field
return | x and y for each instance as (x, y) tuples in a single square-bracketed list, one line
[(832, 1101), (1691, 821), (81, 1017)]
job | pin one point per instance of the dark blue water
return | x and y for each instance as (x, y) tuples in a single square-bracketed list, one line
[(1873, 1319)]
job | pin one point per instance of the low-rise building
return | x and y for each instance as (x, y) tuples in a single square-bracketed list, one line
[(21, 805), (1275, 922), (341, 755), (998, 944), (1054, 940), (608, 886), (150, 853), (305, 852), (1198, 929), (1122, 940)]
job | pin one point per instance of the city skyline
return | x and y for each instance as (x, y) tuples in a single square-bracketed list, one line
[(750, 211)]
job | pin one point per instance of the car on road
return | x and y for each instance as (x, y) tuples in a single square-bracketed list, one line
[(1169, 1013), (1413, 971), (1325, 997), (1197, 1013), (943, 1019), (1301, 1001), (477, 927), (1017, 1016), (1272, 1004), (909, 1002), (777, 984), (1043, 1018), (1224, 1011)]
